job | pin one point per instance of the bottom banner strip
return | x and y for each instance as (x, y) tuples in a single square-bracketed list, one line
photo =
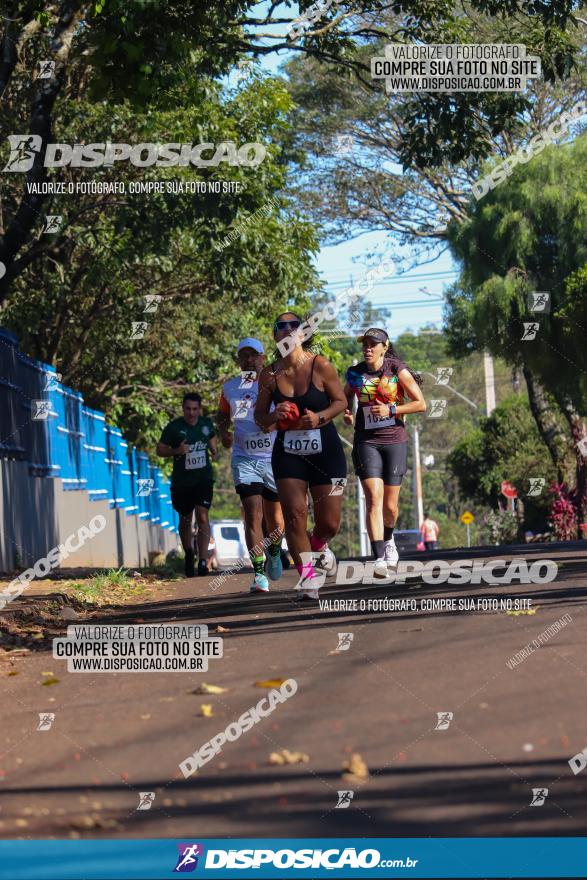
[(287, 857)]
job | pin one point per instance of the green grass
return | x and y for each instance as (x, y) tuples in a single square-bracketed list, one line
[(111, 585)]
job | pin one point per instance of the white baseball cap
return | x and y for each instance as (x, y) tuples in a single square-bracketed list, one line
[(249, 342)]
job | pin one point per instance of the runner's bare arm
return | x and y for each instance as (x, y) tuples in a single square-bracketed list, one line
[(223, 422), (417, 403), (213, 446), (263, 417), (166, 451), (348, 413)]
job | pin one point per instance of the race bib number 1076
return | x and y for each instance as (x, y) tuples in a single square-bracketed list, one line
[(303, 442)]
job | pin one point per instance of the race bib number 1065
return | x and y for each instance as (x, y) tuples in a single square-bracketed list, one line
[(259, 442)]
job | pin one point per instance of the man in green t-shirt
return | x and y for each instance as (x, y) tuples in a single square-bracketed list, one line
[(191, 440)]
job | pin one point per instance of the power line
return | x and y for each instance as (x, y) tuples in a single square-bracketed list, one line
[(399, 279)]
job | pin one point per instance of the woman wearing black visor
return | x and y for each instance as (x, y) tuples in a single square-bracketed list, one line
[(386, 389)]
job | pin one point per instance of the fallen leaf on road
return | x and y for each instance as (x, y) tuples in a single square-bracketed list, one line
[(222, 629), (47, 673), (206, 710), (68, 613), (517, 613), (284, 756), (94, 822), (49, 681), (355, 768), (14, 672), (146, 716), (270, 683), (209, 689)]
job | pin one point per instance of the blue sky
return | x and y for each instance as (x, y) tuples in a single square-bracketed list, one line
[(414, 298)]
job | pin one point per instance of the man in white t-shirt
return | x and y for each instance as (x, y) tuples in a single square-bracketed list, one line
[(251, 464)]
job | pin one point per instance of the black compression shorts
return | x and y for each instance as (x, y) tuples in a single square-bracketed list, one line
[(321, 469), (246, 490), (388, 461)]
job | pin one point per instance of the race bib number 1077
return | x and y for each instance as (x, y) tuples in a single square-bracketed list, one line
[(195, 458)]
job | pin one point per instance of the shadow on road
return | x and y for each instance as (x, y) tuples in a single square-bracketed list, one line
[(448, 801), (281, 612)]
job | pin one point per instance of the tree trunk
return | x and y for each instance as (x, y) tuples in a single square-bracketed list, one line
[(520, 517), (19, 231), (579, 434), (557, 441)]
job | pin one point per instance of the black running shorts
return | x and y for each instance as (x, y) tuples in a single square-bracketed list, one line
[(185, 498), (321, 469), (388, 461)]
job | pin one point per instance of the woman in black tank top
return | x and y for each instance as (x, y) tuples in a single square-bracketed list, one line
[(307, 453)]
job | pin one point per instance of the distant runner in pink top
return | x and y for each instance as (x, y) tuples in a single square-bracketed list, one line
[(429, 531)]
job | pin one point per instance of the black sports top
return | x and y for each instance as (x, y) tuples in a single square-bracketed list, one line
[(312, 399)]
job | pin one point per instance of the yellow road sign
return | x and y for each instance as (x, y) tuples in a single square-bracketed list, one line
[(467, 518)]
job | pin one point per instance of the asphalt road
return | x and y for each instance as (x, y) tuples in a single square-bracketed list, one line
[(513, 729)]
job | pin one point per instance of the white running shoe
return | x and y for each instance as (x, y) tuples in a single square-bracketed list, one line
[(391, 555), (380, 569), (307, 594), (325, 560), (307, 586)]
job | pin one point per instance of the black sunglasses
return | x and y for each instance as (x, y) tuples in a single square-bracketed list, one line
[(283, 325)]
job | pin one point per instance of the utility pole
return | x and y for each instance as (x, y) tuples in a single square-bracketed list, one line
[(489, 382), (419, 506), (363, 535), (365, 547)]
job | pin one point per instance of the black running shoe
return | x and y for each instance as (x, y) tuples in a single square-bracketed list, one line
[(202, 568), (189, 564)]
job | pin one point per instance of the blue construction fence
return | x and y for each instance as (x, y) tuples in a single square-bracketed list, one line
[(46, 424)]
